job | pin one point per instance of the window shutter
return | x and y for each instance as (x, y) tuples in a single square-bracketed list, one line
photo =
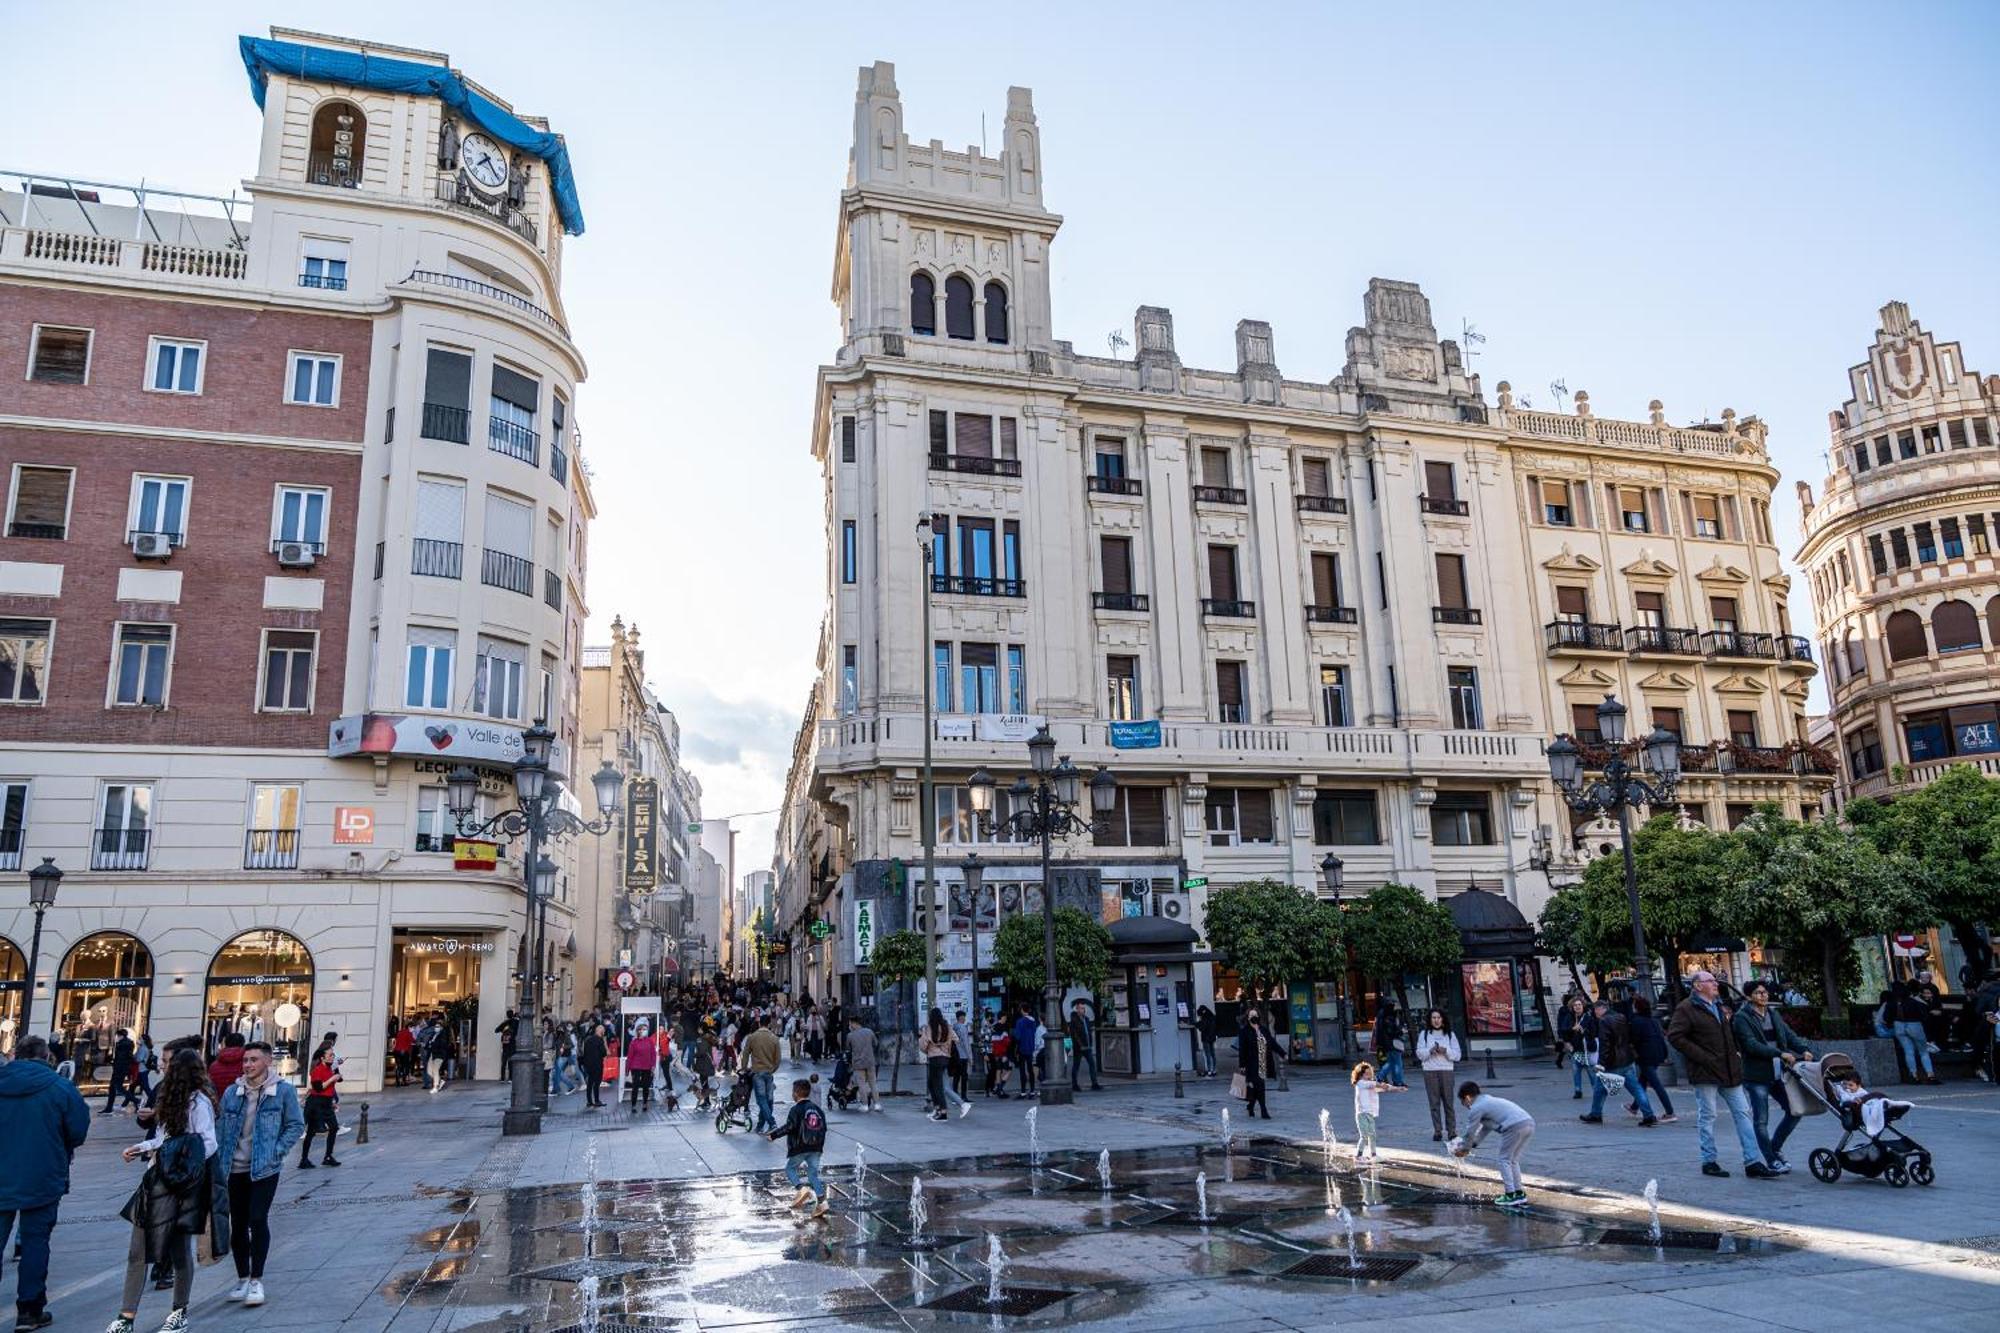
[(1573, 602), (1687, 512), (1732, 519), (974, 436), (1656, 510), (1313, 478), (1117, 553), (1535, 501), (1451, 581), (1010, 445), (440, 511), (447, 378), (1438, 481), (940, 432), (1253, 813), (1215, 467), (41, 496), (510, 527), (1222, 573), (1229, 684), (1148, 810), (1326, 591), (516, 388)]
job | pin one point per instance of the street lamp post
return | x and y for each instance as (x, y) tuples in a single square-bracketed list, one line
[(974, 871), (928, 806), (541, 819), (1622, 787), (1333, 874), (42, 883), (1046, 809)]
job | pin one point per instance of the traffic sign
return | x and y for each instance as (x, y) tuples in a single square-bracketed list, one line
[(1195, 882), (624, 980)]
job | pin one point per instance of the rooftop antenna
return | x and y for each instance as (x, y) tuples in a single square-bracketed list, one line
[(1119, 342), (982, 134), (1471, 337), (1559, 390)]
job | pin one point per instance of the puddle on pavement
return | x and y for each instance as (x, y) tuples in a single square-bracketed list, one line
[(728, 1249)]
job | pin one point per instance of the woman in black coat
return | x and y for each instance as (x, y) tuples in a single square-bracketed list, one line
[(1257, 1059), (182, 1192), (591, 1057)]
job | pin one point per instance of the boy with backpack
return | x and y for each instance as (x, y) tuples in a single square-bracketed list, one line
[(804, 1133)]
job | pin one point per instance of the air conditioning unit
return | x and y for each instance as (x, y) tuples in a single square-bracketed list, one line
[(152, 545), (296, 555)]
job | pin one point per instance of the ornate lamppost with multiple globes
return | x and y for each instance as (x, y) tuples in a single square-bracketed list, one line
[(1622, 786), (1046, 808), (542, 819)]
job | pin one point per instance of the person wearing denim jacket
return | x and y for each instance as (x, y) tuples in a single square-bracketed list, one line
[(271, 1104)]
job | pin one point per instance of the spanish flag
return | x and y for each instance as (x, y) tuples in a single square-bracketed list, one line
[(470, 855)]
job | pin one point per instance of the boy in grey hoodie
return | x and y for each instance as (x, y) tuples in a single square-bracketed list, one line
[(1487, 1114)]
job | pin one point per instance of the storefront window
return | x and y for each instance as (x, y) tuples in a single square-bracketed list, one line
[(438, 974), (13, 986), (106, 983), (261, 985)]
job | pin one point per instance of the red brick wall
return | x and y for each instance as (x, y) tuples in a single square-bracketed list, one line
[(214, 690), (243, 384)]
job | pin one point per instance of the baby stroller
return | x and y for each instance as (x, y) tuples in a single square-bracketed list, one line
[(842, 1092), (735, 1110), (1870, 1146)]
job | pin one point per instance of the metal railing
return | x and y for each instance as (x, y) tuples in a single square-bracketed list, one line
[(437, 559), (1120, 601), (1220, 495), (1113, 485), (1331, 615), (326, 169), (498, 569), (490, 292), (558, 460), (973, 585), (1736, 643), (1445, 505), (271, 849), (1663, 640), (1454, 615), (1794, 648), (1229, 608), (52, 532), (444, 422), (514, 440), (1322, 504), (1560, 634), (991, 467), (120, 848), (450, 191), (552, 589), (325, 282)]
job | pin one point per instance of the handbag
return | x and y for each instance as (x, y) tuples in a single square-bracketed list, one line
[(1792, 1090), (1239, 1086)]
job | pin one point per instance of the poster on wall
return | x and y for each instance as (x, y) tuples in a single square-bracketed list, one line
[(1303, 1045), (1489, 998)]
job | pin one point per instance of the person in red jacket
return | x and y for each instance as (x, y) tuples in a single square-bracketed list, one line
[(405, 1047), (322, 1085), (227, 1067)]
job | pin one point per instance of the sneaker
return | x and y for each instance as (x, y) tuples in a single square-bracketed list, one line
[(1437, 1136), (1503, 1200), (965, 1110), (820, 1211), (1781, 1167), (122, 1324), (1669, 1118), (25, 1320), (803, 1197), (329, 1161), (308, 1165), (938, 1115), (1517, 1199), (1713, 1169), (240, 1290), (1576, 1096), (1758, 1171), (1649, 1121), (175, 1322), (255, 1296), (1591, 1119)]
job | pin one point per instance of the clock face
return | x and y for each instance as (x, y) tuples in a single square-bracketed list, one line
[(484, 161)]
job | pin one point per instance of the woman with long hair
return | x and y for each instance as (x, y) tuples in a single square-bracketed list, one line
[(173, 1201), (1438, 1055), (937, 1042)]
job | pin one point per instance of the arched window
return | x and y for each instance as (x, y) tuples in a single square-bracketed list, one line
[(261, 985), (1955, 627), (1993, 621), (13, 985), (339, 139), (1857, 656), (1905, 633), (105, 983), (958, 308), (923, 304), (996, 313)]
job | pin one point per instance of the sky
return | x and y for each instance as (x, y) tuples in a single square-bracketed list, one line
[(1701, 203)]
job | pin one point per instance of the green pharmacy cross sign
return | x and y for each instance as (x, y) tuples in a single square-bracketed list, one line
[(821, 929)]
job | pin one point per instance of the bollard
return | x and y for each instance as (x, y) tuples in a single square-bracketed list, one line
[(1284, 1076), (361, 1132), (1180, 1089), (1491, 1076)]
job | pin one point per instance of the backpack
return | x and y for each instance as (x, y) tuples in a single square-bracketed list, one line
[(812, 1129)]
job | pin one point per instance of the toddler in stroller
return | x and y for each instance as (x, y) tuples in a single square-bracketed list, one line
[(735, 1110), (1870, 1145), (842, 1091)]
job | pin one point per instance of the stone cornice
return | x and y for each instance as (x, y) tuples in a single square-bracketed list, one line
[(180, 433)]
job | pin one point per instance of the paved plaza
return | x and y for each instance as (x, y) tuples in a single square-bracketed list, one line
[(611, 1220)]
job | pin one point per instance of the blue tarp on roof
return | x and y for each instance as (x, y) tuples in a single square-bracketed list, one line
[(262, 57)]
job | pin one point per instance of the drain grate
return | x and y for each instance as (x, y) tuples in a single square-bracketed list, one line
[(1366, 1268), (1014, 1301), (576, 1270), (1187, 1217), (1669, 1240), (603, 1326), (927, 1244), (603, 1226)]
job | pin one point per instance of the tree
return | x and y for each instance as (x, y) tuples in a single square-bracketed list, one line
[(897, 957), (1682, 872), (1950, 831), (1563, 934), (1396, 931), (1813, 888), (1083, 951), (1270, 933)]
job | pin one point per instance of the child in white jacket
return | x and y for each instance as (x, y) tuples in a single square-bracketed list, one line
[(1367, 1106)]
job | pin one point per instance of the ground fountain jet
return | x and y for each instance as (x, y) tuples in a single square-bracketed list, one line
[(996, 1268), (860, 1172), (1347, 1224), (1653, 1210), (1327, 1143), (1227, 1136), (1104, 1169), (920, 1211), (1034, 1137), (1201, 1196)]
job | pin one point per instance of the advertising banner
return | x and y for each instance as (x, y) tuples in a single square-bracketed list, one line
[(1135, 735), (642, 835)]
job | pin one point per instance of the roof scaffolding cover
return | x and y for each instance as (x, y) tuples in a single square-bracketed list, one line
[(263, 57)]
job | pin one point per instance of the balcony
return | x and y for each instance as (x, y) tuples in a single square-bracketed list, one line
[(490, 292), (441, 421), (974, 585), (985, 467), (120, 848), (47, 532), (1444, 505), (1113, 485), (1795, 648), (558, 461), (1582, 636), (1662, 641), (271, 849), (1737, 758), (1120, 601), (498, 569), (436, 559), (1736, 643), (1322, 504), (1455, 615), (326, 169), (1331, 615), (552, 589), (450, 190), (325, 282), (514, 440), (1228, 608), (1220, 495)]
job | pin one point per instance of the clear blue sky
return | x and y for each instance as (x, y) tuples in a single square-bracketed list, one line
[(1700, 203)]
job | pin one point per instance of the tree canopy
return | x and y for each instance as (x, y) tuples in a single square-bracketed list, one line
[(1396, 931), (1681, 874), (897, 956), (1083, 950), (1270, 932), (1949, 832)]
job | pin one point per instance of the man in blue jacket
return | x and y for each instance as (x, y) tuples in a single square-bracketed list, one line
[(43, 1121)]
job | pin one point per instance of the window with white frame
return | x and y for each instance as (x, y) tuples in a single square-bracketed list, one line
[(427, 679), (59, 355), (299, 515), (13, 823), (142, 666), (175, 365), (24, 659), (288, 671), (38, 501), (435, 830), (496, 681), (124, 831), (312, 379), (323, 264), (159, 505), (272, 840)]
